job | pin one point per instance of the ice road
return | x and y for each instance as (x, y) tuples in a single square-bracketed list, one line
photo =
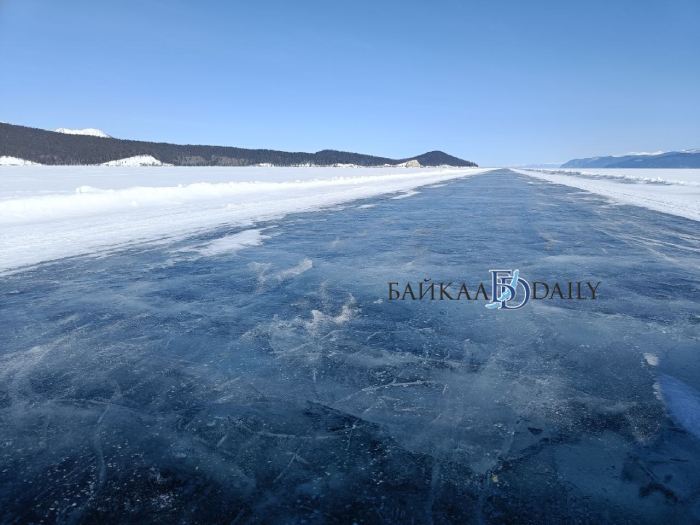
[(257, 373)]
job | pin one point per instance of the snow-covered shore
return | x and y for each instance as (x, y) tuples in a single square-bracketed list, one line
[(6, 160), (47, 212), (672, 191)]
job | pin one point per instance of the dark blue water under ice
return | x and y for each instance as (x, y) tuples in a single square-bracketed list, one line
[(278, 385)]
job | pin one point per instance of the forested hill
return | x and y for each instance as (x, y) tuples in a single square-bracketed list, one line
[(48, 147)]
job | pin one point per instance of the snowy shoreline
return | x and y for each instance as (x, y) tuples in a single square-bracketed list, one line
[(672, 191), (51, 212), (48, 213)]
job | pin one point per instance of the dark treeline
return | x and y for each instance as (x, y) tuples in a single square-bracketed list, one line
[(48, 147)]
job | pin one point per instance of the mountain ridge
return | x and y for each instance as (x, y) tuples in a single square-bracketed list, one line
[(668, 159), (49, 147)]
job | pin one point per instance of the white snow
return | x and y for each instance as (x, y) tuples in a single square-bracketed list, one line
[(642, 154), (651, 359), (673, 191), (304, 266), (231, 243), (51, 212), (643, 175), (405, 195), (413, 163), (14, 161), (138, 160), (92, 132), (649, 153)]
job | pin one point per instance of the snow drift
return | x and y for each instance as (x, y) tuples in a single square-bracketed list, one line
[(672, 191), (53, 212)]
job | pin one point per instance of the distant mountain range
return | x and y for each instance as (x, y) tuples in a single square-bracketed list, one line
[(667, 159), (96, 147)]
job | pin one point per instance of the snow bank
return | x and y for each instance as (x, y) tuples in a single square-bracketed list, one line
[(138, 160), (92, 132), (673, 191), (689, 177), (14, 161), (50, 212)]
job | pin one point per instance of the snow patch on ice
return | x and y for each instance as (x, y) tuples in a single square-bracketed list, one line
[(304, 266), (651, 359), (319, 318), (262, 270), (409, 193), (232, 243)]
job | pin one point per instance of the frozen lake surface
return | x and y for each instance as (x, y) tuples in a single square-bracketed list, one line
[(53, 212), (258, 374), (674, 191)]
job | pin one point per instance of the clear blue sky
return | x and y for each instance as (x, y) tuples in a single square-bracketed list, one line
[(499, 82)]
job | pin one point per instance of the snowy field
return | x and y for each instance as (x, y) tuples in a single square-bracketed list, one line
[(47, 213), (674, 191)]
